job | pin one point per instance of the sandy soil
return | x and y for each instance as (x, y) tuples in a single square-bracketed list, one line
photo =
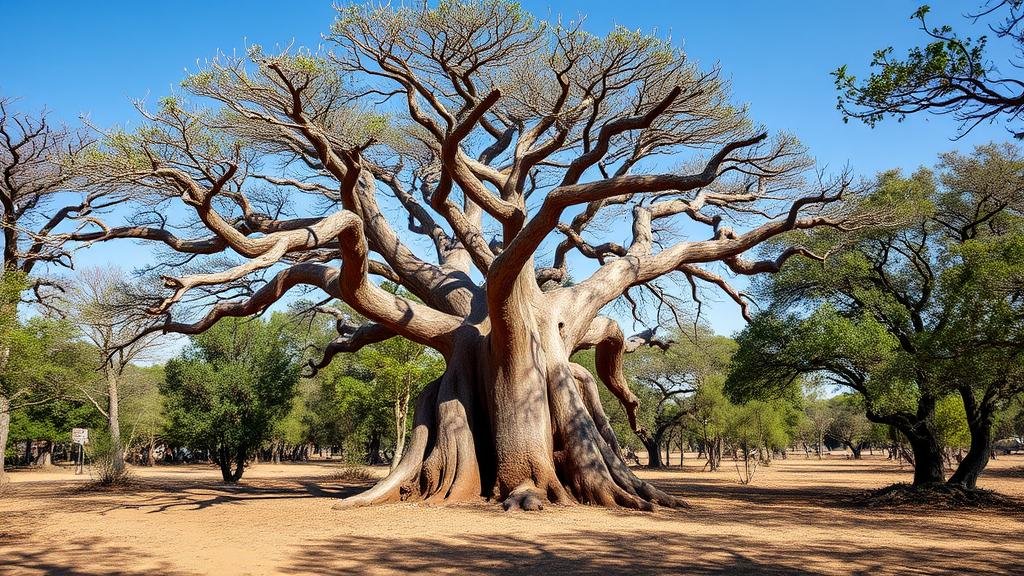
[(279, 520)]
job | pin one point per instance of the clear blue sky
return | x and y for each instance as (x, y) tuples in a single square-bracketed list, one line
[(93, 57)]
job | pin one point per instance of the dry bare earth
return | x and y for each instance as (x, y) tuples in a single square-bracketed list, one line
[(180, 520)]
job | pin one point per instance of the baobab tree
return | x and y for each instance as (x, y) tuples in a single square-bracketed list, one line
[(501, 140)]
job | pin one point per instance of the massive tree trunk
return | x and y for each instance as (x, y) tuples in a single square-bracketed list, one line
[(980, 416), (514, 420)]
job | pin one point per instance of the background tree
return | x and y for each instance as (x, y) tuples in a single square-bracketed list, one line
[(142, 410), (98, 304), (44, 360), (229, 388), (710, 418), (672, 376), (908, 314), (757, 429), (48, 425), (38, 174), (497, 133), (400, 368), (819, 418), (849, 426), (951, 74)]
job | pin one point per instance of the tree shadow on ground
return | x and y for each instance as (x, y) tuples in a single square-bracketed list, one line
[(161, 495), (89, 556), (652, 552), (1015, 472), (786, 508)]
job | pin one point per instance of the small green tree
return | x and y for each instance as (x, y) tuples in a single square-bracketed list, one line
[(929, 305), (757, 429), (400, 368), (44, 360), (142, 410), (229, 388), (711, 414), (671, 378), (849, 427)]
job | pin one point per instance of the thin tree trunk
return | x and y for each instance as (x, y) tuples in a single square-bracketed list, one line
[(373, 448), (5, 402), (5, 428), (45, 457), (980, 418), (239, 466), (150, 451), (653, 446), (114, 425), (401, 414)]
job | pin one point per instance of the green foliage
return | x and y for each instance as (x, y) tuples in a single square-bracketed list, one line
[(922, 317), (44, 360), (949, 74), (761, 425), (230, 387), (54, 420), (925, 68), (141, 405), (950, 421)]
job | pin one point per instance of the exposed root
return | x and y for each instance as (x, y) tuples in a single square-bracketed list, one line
[(400, 483), (525, 498), (583, 464), (941, 496), (591, 466), (440, 464), (592, 401)]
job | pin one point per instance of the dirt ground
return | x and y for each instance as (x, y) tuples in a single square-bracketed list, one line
[(180, 520)]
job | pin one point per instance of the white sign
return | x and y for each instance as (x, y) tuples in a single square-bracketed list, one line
[(80, 435)]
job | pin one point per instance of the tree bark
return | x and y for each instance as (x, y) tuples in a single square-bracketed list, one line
[(150, 452), (114, 424), (231, 463), (653, 446), (925, 451), (980, 417), (928, 465), (5, 428), (45, 457), (373, 448), (855, 448), (513, 420), (401, 411)]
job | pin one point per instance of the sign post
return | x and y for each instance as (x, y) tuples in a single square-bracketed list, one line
[(80, 436)]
